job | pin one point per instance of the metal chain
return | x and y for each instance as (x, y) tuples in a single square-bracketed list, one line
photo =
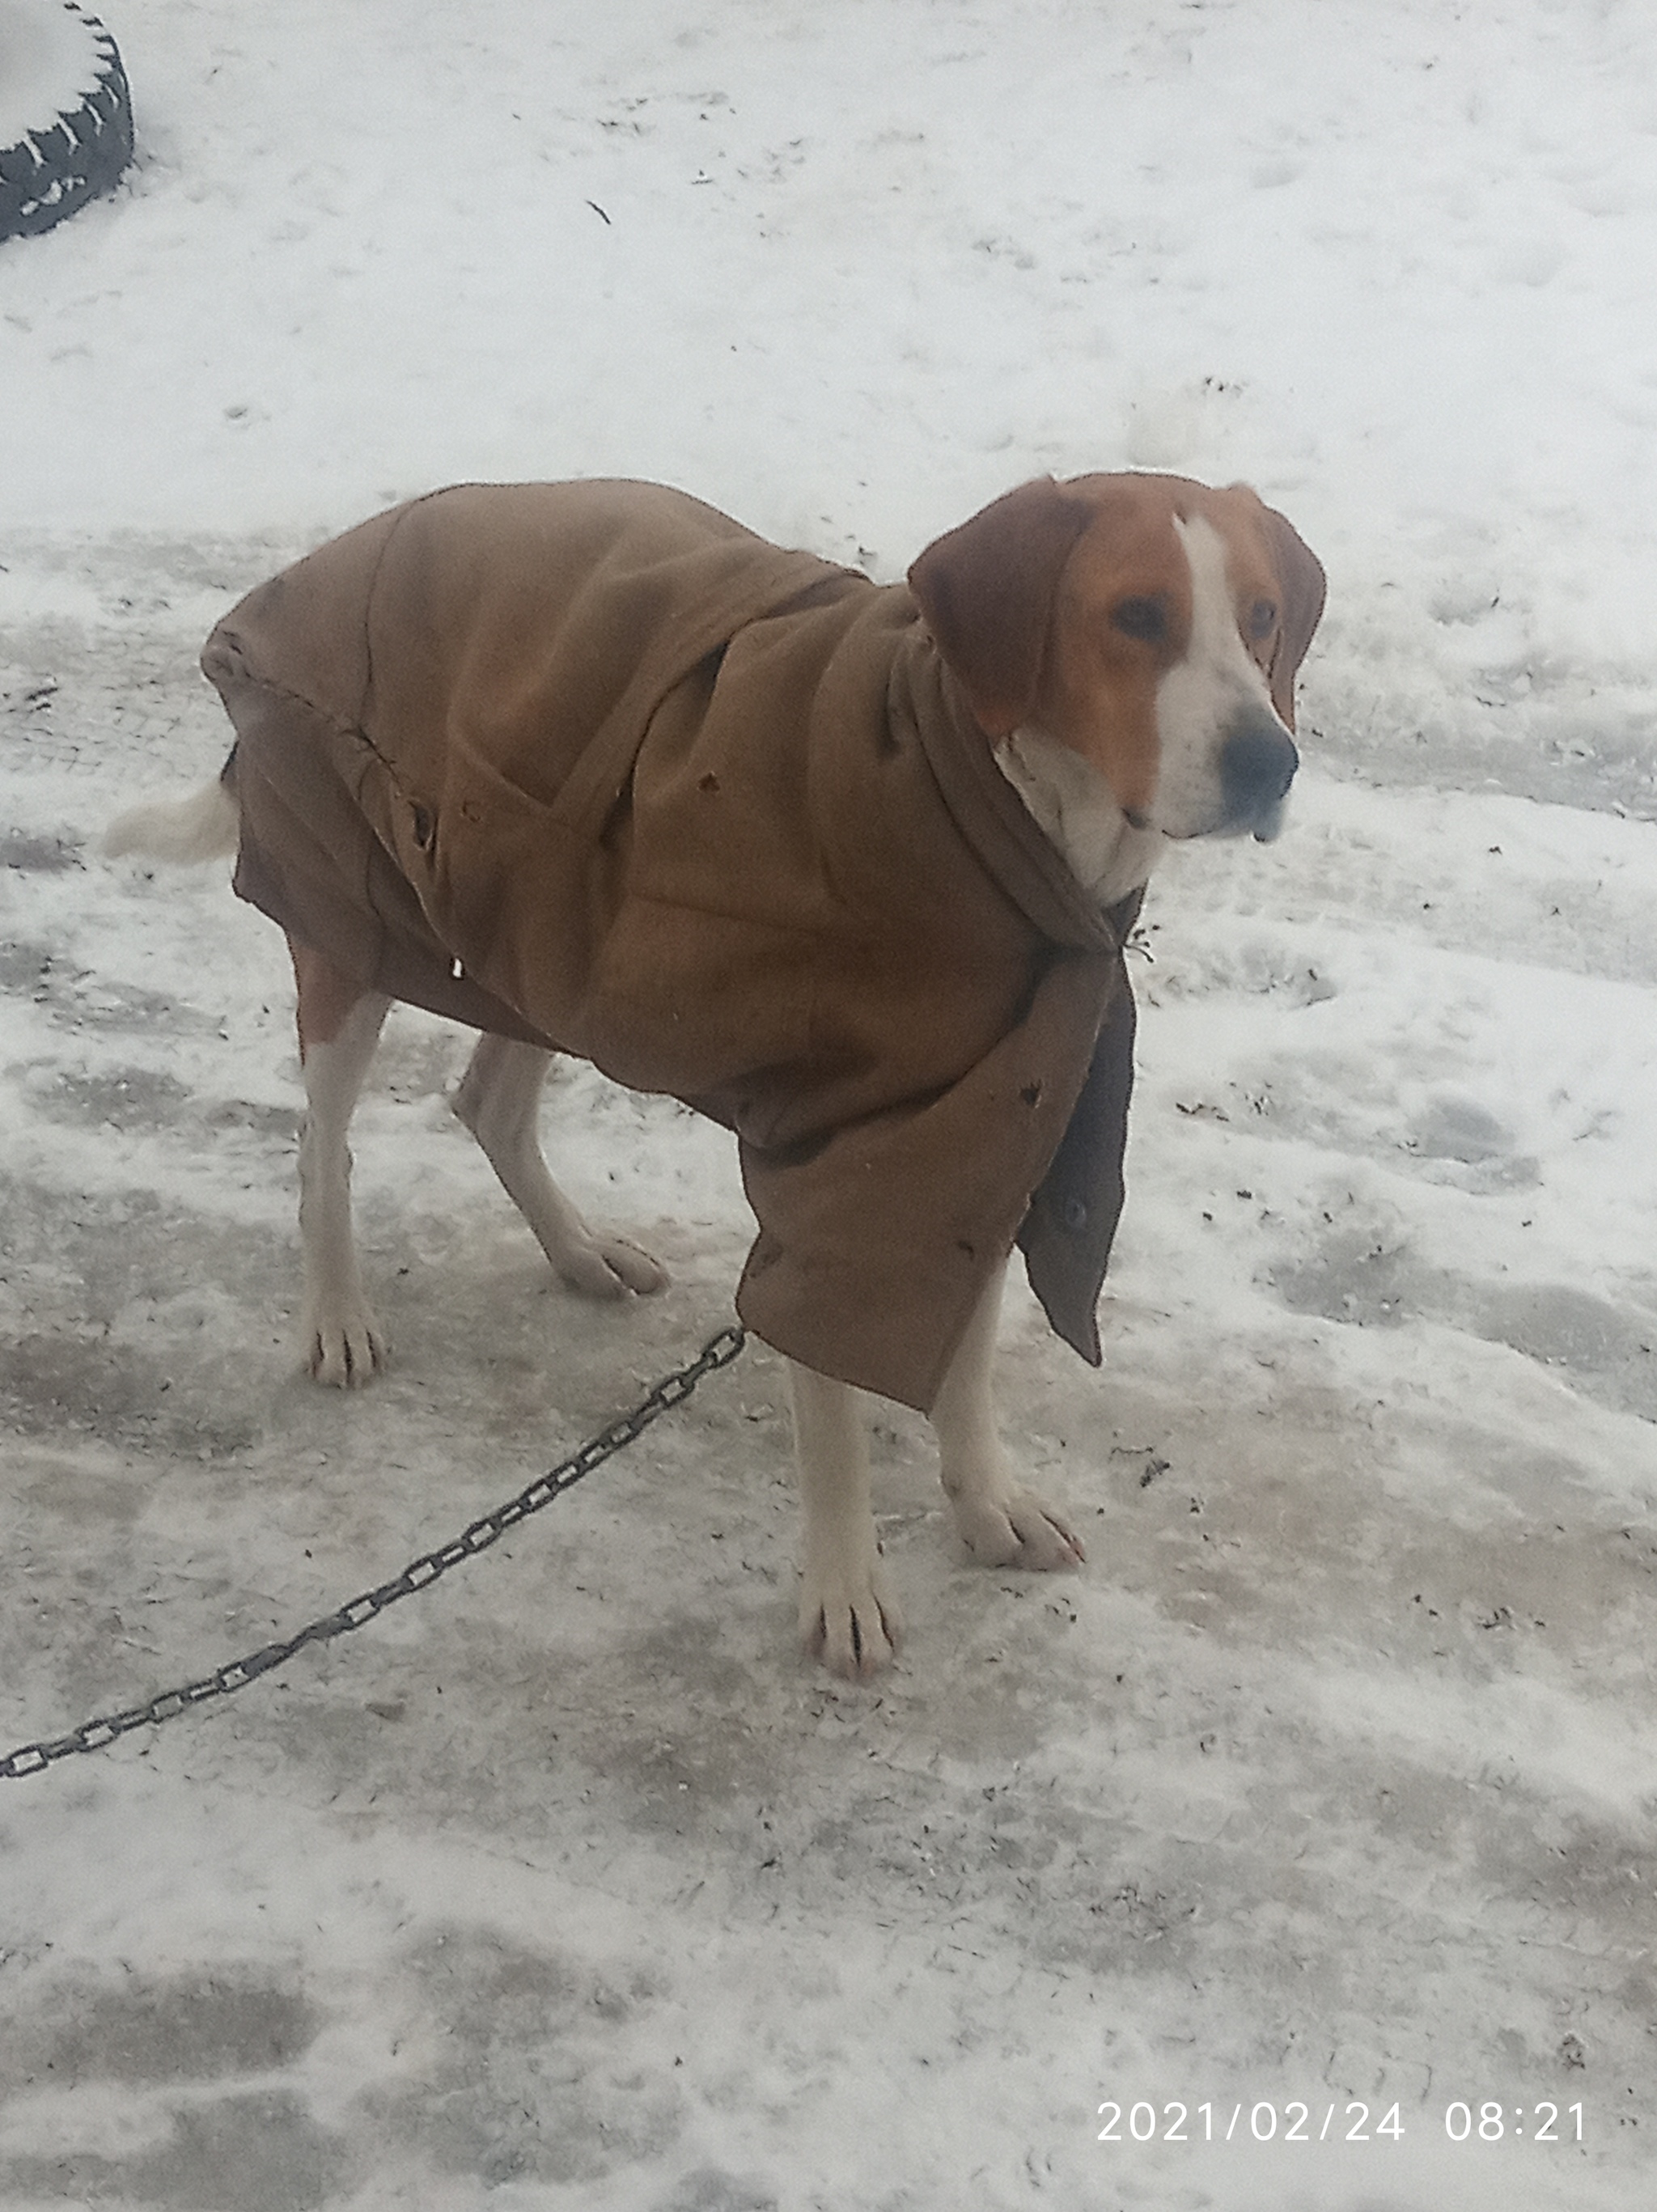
[(719, 1352)]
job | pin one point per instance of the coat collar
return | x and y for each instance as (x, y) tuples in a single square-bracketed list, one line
[(989, 813)]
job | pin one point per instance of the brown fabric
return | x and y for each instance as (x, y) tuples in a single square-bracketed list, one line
[(592, 765)]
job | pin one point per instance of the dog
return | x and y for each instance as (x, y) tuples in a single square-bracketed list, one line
[(848, 866)]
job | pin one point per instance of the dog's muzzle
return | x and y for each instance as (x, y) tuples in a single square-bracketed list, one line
[(1257, 766)]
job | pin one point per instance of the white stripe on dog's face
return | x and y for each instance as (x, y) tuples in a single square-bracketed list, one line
[(1216, 691)]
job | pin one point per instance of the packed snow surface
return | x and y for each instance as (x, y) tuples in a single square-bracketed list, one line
[(1317, 1807)]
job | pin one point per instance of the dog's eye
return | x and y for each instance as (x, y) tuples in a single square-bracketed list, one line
[(1262, 620), (1142, 618)]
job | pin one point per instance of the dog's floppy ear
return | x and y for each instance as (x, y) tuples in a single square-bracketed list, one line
[(1301, 574), (986, 591)]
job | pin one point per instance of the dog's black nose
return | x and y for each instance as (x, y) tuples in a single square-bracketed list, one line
[(1257, 766)]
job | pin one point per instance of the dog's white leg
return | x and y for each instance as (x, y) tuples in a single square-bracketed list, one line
[(499, 1100), (1001, 1524), (342, 1341), (848, 1615)]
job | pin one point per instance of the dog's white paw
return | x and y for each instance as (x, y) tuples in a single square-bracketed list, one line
[(346, 1350), (1013, 1529), (610, 1267), (851, 1621)]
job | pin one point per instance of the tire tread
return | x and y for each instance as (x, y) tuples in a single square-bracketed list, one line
[(53, 172)]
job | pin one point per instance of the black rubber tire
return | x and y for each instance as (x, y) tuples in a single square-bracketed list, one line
[(76, 155)]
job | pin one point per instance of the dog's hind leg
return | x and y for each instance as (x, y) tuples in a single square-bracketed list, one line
[(1001, 1524), (339, 1025), (499, 1100)]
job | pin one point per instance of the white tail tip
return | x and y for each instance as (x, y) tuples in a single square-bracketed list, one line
[(203, 827)]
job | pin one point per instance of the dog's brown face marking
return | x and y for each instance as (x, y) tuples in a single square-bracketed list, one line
[(1121, 619)]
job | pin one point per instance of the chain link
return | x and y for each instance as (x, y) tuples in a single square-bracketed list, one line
[(420, 1574)]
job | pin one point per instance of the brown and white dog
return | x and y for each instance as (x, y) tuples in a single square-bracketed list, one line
[(1127, 646)]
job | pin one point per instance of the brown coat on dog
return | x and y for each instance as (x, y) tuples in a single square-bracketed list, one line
[(593, 766)]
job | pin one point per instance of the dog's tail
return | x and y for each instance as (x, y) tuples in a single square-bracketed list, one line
[(203, 827)]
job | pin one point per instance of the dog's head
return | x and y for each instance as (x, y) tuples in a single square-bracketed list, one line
[(1152, 624)]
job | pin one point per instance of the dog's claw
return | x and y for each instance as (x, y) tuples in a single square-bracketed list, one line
[(612, 1267), (854, 1632), (1017, 1531), (637, 1268), (346, 1354)]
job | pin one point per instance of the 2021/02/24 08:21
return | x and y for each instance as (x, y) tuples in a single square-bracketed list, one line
[(1295, 2122)]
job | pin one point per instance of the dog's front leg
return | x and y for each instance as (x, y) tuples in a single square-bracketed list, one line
[(848, 1616), (1001, 1524)]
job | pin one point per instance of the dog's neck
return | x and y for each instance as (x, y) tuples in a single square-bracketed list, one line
[(1072, 805)]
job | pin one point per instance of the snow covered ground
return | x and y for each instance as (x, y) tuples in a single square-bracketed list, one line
[(1330, 1781)]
